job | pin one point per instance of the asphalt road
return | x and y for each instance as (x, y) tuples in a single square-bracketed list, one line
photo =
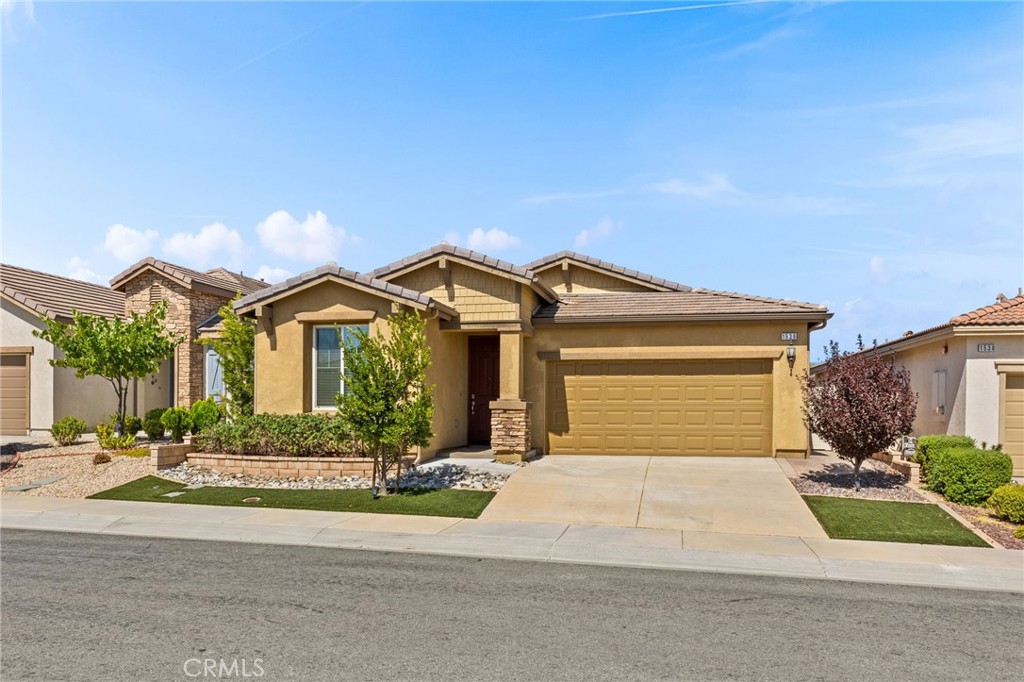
[(91, 607)]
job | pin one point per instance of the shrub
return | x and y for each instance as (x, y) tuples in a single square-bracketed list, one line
[(152, 425), (930, 447), (1019, 533), (100, 458), (108, 441), (295, 435), (135, 452), (67, 430), (178, 421), (205, 413), (969, 475), (1008, 502), (132, 424)]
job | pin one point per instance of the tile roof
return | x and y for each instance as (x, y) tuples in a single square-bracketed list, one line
[(1003, 311), (56, 296), (186, 276), (696, 303), (542, 263), (245, 284), (331, 270)]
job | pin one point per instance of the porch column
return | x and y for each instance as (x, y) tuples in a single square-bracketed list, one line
[(510, 414)]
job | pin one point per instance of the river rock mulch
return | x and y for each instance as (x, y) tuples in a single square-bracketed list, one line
[(878, 482), (434, 478)]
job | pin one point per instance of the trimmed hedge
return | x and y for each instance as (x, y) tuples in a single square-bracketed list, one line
[(67, 430), (205, 413), (930, 447), (1008, 502), (152, 425), (177, 420), (293, 435), (969, 475)]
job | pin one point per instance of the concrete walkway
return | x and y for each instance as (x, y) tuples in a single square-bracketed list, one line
[(745, 495), (697, 550)]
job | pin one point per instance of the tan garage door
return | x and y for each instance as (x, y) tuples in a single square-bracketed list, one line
[(13, 394), (660, 407), (1013, 421)]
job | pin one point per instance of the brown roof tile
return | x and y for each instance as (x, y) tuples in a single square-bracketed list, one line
[(698, 303), (245, 284), (56, 296), (185, 276), (1005, 311), (547, 261)]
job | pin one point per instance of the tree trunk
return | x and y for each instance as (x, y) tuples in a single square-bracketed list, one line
[(398, 474), (856, 473)]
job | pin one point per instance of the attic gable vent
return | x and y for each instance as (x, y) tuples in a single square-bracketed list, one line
[(156, 294)]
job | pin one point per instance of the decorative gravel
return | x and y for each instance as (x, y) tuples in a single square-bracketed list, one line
[(999, 530), (877, 481), (79, 476), (434, 478)]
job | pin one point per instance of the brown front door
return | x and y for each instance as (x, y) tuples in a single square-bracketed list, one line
[(483, 386)]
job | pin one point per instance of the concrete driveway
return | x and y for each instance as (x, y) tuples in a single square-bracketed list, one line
[(744, 495)]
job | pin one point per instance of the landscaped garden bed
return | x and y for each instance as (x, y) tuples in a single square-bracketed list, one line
[(445, 502)]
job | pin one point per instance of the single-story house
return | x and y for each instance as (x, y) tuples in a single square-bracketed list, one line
[(33, 394), (969, 375), (565, 355)]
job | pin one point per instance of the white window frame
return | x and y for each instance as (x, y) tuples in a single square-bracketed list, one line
[(341, 347)]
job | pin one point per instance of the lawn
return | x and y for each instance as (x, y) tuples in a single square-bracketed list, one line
[(466, 504), (925, 524)]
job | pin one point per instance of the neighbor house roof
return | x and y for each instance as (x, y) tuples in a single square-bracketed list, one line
[(331, 271), (245, 284), (219, 281), (695, 305), (1003, 311), (55, 296), (501, 267), (610, 268)]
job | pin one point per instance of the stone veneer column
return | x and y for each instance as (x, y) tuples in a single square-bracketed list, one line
[(510, 430)]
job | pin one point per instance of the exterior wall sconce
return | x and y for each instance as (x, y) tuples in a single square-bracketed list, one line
[(791, 357)]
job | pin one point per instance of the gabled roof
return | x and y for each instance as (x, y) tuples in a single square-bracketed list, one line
[(499, 267), (1003, 311), (337, 273), (55, 296), (693, 305), (245, 284), (610, 268), (188, 278)]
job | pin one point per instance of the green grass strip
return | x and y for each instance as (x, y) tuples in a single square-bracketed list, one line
[(465, 504), (925, 524)]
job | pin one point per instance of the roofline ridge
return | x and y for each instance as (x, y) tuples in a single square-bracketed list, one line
[(64, 277), (761, 299)]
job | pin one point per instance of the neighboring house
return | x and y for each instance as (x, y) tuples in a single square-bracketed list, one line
[(969, 375), (566, 355), (33, 394)]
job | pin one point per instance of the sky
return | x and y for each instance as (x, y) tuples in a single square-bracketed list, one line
[(864, 155)]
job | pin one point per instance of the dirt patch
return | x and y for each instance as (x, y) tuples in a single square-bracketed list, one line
[(79, 476)]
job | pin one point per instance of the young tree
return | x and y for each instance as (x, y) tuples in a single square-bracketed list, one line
[(387, 402), (860, 403), (236, 348), (116, 349)]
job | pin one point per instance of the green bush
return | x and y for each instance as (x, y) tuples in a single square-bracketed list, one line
[(108, 441), (135, 452), (1008, 502), (152, 425), (930, 447), (100, 458), (67, 430), (1019, 533), (969, 475), (132, 424), (205, 413), (178, 421), (295, 435)]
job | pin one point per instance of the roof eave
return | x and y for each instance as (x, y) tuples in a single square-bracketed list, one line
[(711, 317)]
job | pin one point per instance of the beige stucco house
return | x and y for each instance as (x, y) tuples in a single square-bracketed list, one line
[(565, 355), (969, 375)]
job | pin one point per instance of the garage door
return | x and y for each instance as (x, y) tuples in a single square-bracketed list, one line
[(660, 407), (1013, 421), (13, 394)]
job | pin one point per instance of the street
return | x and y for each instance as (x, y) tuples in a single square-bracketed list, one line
[(91, 607)]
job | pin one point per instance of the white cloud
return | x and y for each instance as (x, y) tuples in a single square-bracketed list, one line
[(128, 245), (570, 196), (271, 274), (314, 239), (599, 232), (26, 8), (717, 188), (882, 270), (493, 239), (964, 139), (714, 185), (214, 244), (78, 268)]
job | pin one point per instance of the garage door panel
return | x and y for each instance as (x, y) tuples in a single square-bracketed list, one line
[(14, 394), (660, 407)]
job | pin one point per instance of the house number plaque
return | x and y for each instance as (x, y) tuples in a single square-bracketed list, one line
[(789, 336), (986, 348)]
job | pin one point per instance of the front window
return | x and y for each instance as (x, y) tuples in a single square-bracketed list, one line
[(329, 363)]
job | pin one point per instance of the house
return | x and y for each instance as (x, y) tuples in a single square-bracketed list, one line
[(565, 355), (969, 375), (33, 394)]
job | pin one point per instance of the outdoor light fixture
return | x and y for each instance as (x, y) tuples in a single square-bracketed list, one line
[(791, 357)]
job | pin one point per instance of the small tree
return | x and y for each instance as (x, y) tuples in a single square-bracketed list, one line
[(860, 403), (386, 402), (236, 348), (116, 349)]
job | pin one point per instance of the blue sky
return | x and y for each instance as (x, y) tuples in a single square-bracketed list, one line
[(865, 155)]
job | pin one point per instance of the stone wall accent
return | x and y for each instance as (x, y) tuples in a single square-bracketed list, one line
[(286, 467), (910, 470), (510, 430), (169, 454)]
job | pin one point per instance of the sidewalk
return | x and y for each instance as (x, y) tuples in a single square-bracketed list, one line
[(796, 557)]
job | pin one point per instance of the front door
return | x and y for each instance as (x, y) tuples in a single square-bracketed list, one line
[(483, 386)]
